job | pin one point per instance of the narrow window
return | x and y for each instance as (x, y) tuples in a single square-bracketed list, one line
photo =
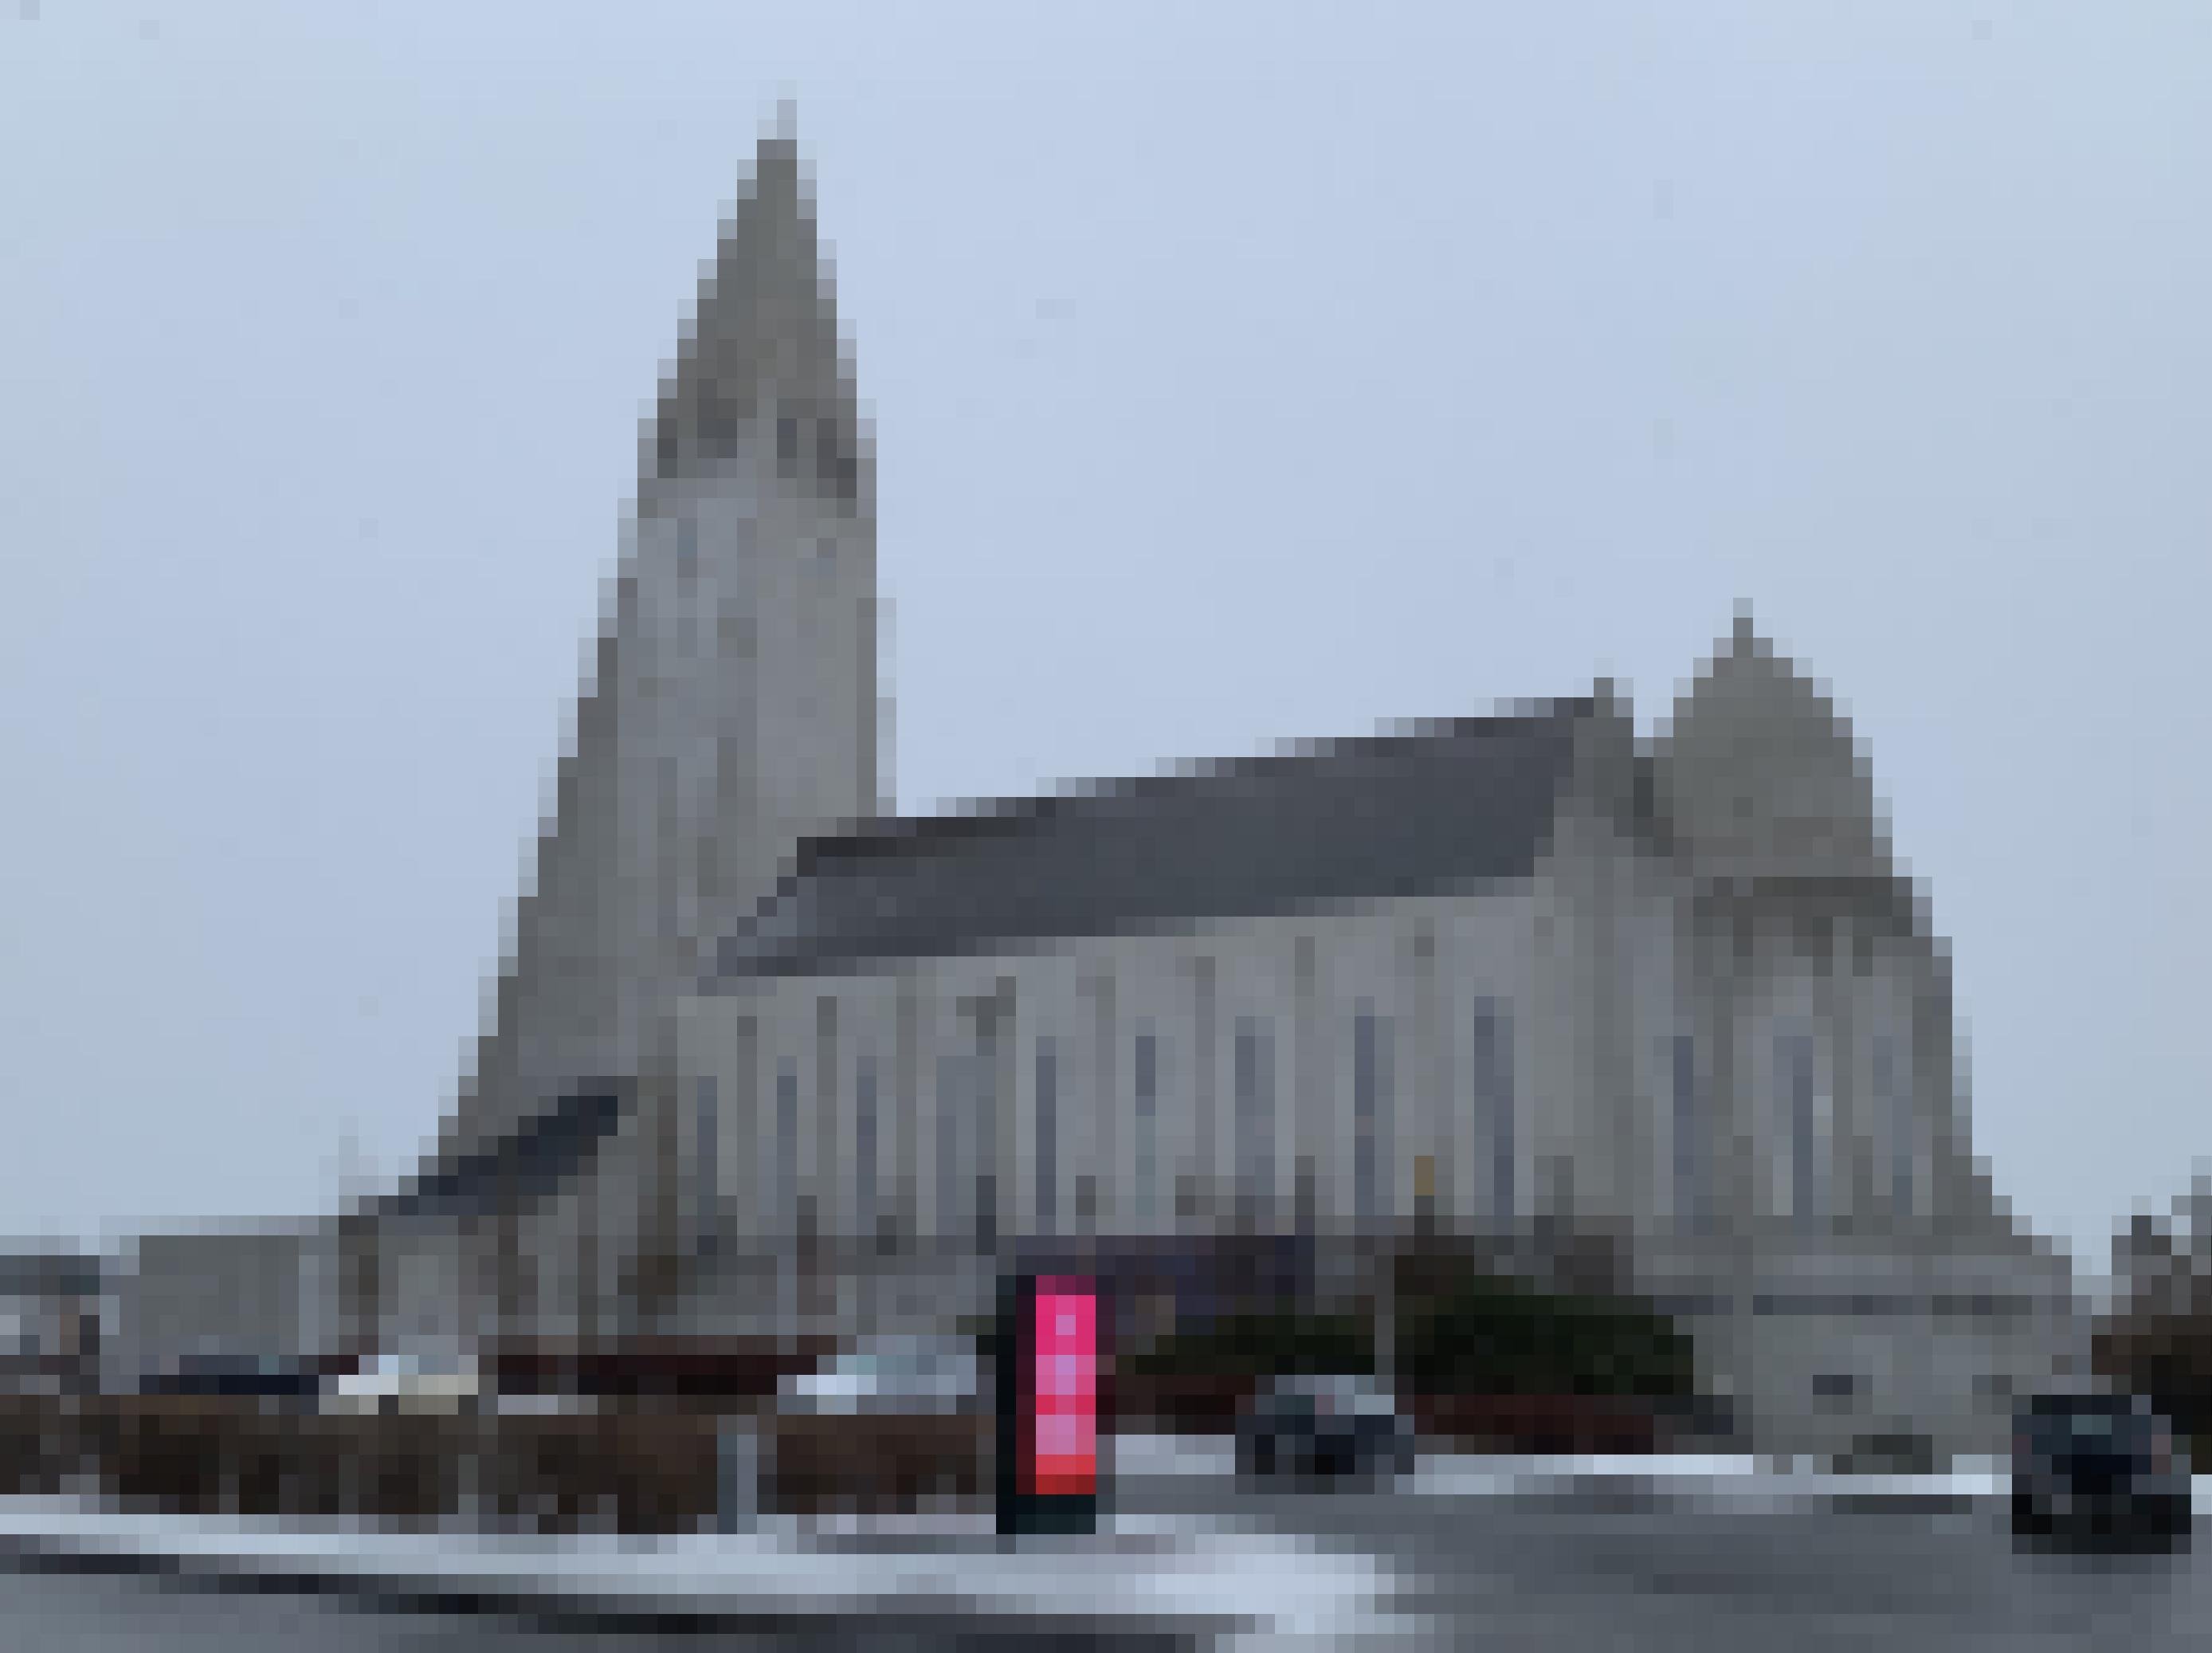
[(1047, 1133), (1491, 1066), (1894, 1098), (864, 1147), (1794, 1058), (706, 1129), (985, 1079), (1689, 1147), (718, 423), (1146, 1078), (834, 469), (953, 1086), (1371, 1107), (787, 1138), (1255, 1111)]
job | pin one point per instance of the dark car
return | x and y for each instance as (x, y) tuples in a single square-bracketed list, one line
[(1323, 1430), (2098, 1465)]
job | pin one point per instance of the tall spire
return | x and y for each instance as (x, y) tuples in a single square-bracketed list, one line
[(761, 360), (732, 708), (1743, 639)]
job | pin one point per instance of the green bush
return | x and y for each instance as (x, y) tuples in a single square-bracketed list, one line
[(1263, 1343), (1494, 1336)]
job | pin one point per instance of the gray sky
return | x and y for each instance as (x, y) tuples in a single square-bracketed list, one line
[(1241, 373)]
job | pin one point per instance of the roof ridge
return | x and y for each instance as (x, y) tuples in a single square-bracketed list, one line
[(972, 818)]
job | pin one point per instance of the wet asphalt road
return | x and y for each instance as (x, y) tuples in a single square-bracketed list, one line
[(1554, 1572), (1566, 1574)]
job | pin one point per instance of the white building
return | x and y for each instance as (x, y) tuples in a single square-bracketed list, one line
[(249, 1291), (764, 1057)]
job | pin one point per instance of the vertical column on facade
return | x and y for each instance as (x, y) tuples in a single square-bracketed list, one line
[(1556, 1068), (868, 1054), (860, 1188), (1014, 1077), (1729, 939), (1169, 1026), (1035, 1171), (1122, 1205), (1720, 947), (1280, 1102), (508, 1316), (585, 1206), (1620, 1137), (1256, 1121), (1933, 1095), (1890, 1080), (1900, 1074), (738, 1139), (962, 1136), (936, 1042)]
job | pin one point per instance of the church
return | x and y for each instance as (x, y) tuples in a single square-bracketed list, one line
[(765, 1056)]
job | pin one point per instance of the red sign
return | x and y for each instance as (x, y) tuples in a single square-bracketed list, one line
[(1063, 1454)]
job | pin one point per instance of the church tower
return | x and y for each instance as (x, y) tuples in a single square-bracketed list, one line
[(1827, 995), (732, 705)]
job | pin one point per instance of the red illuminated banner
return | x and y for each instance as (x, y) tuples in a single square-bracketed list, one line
[(1063, 1454)]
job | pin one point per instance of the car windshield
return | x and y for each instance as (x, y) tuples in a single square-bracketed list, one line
[(2090, 1424)]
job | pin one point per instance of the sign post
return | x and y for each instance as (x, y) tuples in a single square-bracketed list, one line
[(1047, 1392)]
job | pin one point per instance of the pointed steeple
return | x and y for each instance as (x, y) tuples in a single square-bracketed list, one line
[(732, 708), (761, 366), (1743, 640), (1760, 770)]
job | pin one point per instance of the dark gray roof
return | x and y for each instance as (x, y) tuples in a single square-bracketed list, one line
[(51, 1274), (534, 1160), (1449, 805)]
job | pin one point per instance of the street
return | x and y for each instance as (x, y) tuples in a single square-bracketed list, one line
[(1573, 1575), (1561, 1571), (78, 1611)]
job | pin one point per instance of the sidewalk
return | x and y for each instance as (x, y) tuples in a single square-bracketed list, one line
[(1132, 1577), (1738, 1479)]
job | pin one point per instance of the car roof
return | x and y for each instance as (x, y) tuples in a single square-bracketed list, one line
[(2060, 1411)]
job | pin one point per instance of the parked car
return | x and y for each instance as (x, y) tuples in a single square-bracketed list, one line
[(888, 1374), (1323, 1430), (405, 1382), (2096, 1465)]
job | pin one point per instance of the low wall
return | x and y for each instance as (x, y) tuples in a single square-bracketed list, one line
[(646, 1472), (820, 1465)]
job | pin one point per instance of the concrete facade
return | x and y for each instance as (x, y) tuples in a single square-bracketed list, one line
[(264, 1290), (731, 704), (1676, 988)]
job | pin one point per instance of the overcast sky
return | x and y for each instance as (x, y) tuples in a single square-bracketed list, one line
[(1241, 373)]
